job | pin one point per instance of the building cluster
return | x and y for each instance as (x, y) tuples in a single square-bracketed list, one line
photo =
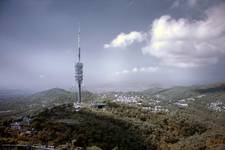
[(22, 128), (184, 102), (217, 106), (156, 109), (127, 99), (23, 123)]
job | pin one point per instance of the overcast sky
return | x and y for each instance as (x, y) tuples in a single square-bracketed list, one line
[(131, 42)]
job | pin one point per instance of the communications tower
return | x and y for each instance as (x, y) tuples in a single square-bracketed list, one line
[(78, 73)]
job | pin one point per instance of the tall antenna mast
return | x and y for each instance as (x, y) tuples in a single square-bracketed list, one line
[(78, 73), (78, 42)]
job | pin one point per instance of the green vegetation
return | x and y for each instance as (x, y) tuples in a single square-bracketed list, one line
[(121, 126)]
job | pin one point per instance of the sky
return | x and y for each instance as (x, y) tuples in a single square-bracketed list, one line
[(124, 43)]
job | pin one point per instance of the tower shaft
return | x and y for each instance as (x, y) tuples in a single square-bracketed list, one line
[(79, 69), (79, 93)]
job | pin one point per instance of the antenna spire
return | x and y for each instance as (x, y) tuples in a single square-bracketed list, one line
[(78, 42)]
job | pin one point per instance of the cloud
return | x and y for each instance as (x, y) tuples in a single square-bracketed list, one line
[(135, 69), (187, 3), (151, 69), (188, 43), (123, 40), (175, 4), (192, 3)]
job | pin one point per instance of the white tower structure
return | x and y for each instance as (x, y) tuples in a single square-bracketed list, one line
[(78, 73)]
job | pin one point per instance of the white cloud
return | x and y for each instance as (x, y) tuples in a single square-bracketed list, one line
[(122, 72), (123, 40), (186, 3), (136, 70), (149, 69), (152, 69), (125, 71), (188, 43)]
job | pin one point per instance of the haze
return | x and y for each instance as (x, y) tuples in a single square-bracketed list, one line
[(124, 43)]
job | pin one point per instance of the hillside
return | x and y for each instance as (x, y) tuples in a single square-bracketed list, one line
[(178, 118), (51, 96), (120, 127), (40, 100)]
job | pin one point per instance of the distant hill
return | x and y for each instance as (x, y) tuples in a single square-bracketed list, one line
[(180, 92), (51, 92), (213, 94), (43, 99), (57, 96), (7, 94), (218, 87), (153, 90), (124, 86)]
